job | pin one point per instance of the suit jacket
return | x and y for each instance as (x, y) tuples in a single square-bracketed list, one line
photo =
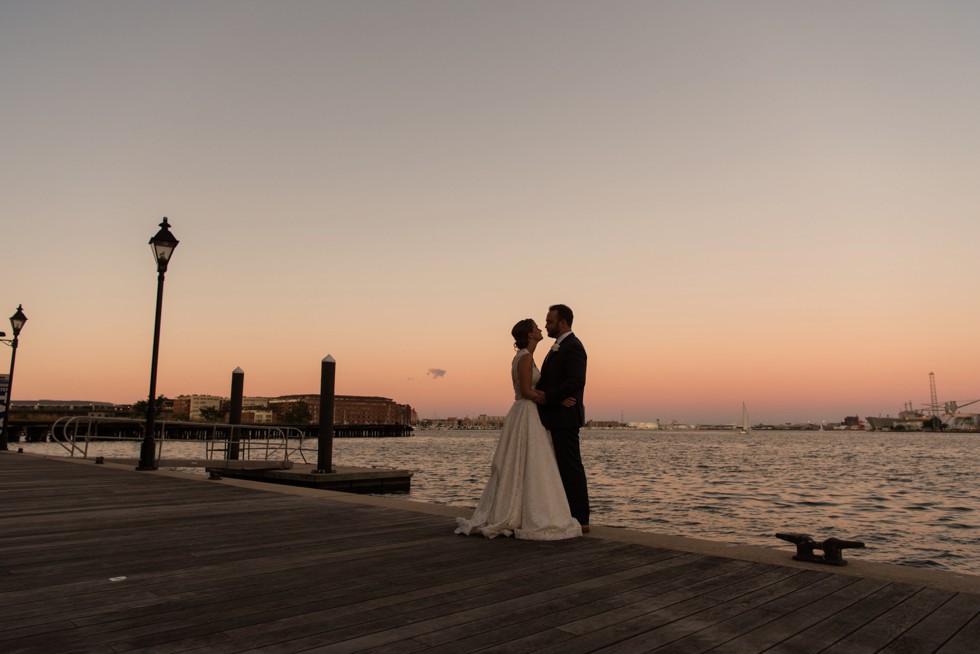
[(562, 376)]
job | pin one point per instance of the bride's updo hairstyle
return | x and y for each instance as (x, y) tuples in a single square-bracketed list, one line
[(521, 333)]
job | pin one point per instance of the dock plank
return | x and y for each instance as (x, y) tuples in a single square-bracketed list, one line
[(931, 632), (737, 624), (880, 632), (965, 640), (629, 631), (817, 626), (103, 559), (504, 626)]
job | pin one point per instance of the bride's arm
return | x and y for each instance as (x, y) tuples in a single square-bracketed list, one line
[(524, 379)]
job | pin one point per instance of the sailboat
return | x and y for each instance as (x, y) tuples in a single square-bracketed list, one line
[(745, 420)]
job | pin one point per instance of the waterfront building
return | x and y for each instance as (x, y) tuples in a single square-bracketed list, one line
[(51, 410), (257, 416), (482, 421), (348, 409), (644, 425), (605, 424), (188, 407)]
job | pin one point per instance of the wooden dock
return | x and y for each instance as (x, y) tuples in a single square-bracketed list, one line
[(101, 558)]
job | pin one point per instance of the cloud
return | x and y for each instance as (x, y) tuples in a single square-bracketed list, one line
[(436, 373)]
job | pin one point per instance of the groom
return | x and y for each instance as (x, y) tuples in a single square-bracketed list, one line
[(562, 413)]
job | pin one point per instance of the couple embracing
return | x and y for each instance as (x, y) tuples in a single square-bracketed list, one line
[(537, 488)]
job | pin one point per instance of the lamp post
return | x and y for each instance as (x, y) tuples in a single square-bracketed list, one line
[(163, 245), (17, 323)]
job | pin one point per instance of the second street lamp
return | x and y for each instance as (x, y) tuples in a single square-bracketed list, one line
[(163, 244), (17, 323)]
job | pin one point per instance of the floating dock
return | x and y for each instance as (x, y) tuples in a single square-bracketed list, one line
[(346, 479), (102, 558)]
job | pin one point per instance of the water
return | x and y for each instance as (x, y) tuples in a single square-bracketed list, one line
[(912, 498)]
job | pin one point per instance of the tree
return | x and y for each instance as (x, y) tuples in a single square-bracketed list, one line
[(210, 414), (298, 413), (139, 408)]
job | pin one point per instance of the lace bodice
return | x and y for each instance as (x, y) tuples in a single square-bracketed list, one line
[(535, 373)]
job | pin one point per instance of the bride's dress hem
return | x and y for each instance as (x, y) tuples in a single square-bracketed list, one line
[(467, 527)]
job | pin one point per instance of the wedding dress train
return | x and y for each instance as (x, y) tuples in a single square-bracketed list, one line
[(524, 496)]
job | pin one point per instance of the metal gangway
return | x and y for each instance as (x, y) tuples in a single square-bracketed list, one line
[(221, 441)]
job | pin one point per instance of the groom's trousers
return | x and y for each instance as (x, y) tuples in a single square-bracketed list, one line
[(572, 472)]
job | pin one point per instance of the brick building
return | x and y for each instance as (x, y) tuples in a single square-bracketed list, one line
[(348, 409), (188, 407)]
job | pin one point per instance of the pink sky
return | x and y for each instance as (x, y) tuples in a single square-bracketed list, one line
[(762, 202)]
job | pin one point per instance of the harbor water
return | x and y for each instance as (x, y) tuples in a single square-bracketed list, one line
[(912, 498)]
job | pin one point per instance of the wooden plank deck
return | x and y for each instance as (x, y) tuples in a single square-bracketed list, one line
[(106, 559)]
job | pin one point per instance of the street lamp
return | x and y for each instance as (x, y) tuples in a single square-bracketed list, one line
[(17, 323), (163, 245)]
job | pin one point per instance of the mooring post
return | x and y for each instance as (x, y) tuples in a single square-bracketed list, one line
[(235, 414), (328, 373), (832, 548)]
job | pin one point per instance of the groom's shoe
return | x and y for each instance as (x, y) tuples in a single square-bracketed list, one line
[(585, 529)]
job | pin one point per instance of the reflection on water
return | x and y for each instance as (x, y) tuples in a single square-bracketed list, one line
[(912, 498)]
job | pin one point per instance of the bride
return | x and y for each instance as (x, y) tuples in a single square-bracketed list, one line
[(524, 496)]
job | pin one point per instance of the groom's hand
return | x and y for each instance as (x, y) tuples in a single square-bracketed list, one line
[(568, 402)]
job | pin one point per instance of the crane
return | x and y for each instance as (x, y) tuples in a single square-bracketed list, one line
[(949, 408), (954, 406), (934, 399)]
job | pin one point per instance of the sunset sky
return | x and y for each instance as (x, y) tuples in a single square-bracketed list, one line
[(774, 202)]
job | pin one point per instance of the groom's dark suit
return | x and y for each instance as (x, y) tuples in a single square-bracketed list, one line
[(563, 376)]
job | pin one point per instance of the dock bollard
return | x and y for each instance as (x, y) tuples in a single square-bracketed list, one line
[(832, 548)]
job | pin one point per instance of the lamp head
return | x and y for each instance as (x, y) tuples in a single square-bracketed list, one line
[(18, 319), (163, 245)]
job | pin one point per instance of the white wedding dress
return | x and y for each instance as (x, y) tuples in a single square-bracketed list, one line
[(524, 496)]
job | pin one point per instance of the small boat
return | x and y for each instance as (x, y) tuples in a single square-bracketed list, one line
[(745, 420)]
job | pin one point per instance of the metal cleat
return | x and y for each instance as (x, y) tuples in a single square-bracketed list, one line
[(832, 548)]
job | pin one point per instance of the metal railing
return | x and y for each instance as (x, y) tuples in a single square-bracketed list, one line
[(221, 441)]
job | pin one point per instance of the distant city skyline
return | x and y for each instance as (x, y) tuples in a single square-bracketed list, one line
[(622, 417), (762, 202)]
